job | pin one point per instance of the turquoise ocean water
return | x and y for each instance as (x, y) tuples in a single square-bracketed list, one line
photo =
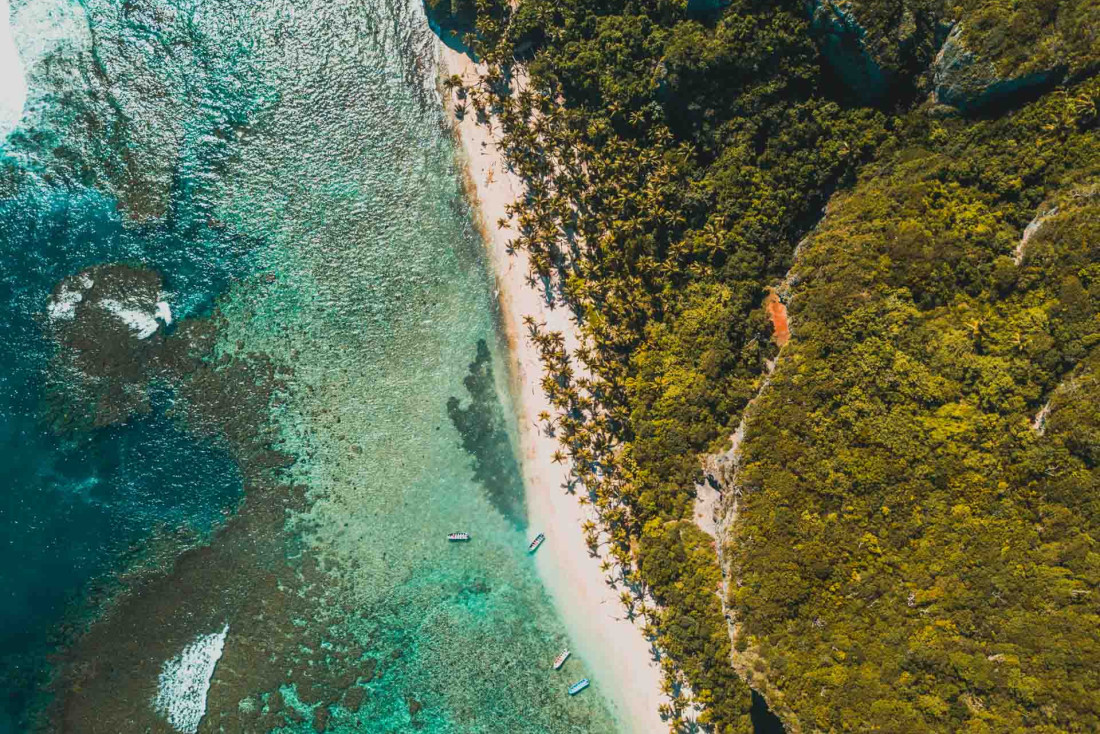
[(280, 177)]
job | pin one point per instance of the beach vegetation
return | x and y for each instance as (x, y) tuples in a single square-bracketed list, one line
[(914, 505)]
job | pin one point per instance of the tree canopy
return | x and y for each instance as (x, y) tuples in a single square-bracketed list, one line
[(912, 545)]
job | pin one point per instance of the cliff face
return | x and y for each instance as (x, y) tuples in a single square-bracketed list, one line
[(452, 20), (843, 42), (877, 50), (1002, 54), (969, 81), (972, 54)]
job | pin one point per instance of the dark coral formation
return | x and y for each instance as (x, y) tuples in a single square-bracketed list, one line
[(485, 437), (241, 578), (110, 345)]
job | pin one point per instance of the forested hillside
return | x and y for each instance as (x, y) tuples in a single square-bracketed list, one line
[(915, 543), (913, 548)]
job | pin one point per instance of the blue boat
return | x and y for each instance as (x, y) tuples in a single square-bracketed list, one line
[(578, 687), (458, 537)]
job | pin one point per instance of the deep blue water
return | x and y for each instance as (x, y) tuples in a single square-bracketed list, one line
[(74, 505)]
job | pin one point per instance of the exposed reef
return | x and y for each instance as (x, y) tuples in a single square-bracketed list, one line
[(108, 324), (112, 343)]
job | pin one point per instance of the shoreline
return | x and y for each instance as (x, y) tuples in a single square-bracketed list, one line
[(612, 647)]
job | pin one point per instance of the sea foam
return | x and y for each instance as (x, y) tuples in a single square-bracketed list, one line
[(142, 323), (64, 305), (13, 81), (39, 37), (185, 680)]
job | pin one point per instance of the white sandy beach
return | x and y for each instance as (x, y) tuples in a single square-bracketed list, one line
[(612, 647)]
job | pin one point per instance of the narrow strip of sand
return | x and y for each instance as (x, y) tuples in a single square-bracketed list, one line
[(612, 646)]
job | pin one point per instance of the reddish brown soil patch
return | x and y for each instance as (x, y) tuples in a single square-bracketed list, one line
[(777, 312)]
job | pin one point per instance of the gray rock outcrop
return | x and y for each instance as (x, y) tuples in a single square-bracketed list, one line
[(966, 81)]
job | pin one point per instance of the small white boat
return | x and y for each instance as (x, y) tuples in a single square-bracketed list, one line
[(578, 687), (536, 543), (560, 659), (458, 537)]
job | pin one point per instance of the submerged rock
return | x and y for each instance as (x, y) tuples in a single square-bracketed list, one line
[(108, 324), (353, 699), (482, 427), (415, 707), (321, 718)]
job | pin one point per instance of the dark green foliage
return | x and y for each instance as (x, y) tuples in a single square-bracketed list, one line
[(689, 157), (911, 555), (883, 49), (902, 35), (693, 371), (914, 551), (678, 560), (1017, 37), (1023, 37), (880, 49)]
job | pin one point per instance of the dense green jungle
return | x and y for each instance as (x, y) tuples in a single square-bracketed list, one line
[(911, 514)]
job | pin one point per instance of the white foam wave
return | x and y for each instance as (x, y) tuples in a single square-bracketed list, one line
[(185, 681), (13, 81), (63, 306), (164, 312), (143, 323), (48, 35)]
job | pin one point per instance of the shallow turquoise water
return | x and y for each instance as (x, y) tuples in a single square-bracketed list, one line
[(288, 164)]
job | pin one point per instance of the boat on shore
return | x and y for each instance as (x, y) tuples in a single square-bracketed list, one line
[(458, 537), (578, 687), (561, 658), (536, 543)]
